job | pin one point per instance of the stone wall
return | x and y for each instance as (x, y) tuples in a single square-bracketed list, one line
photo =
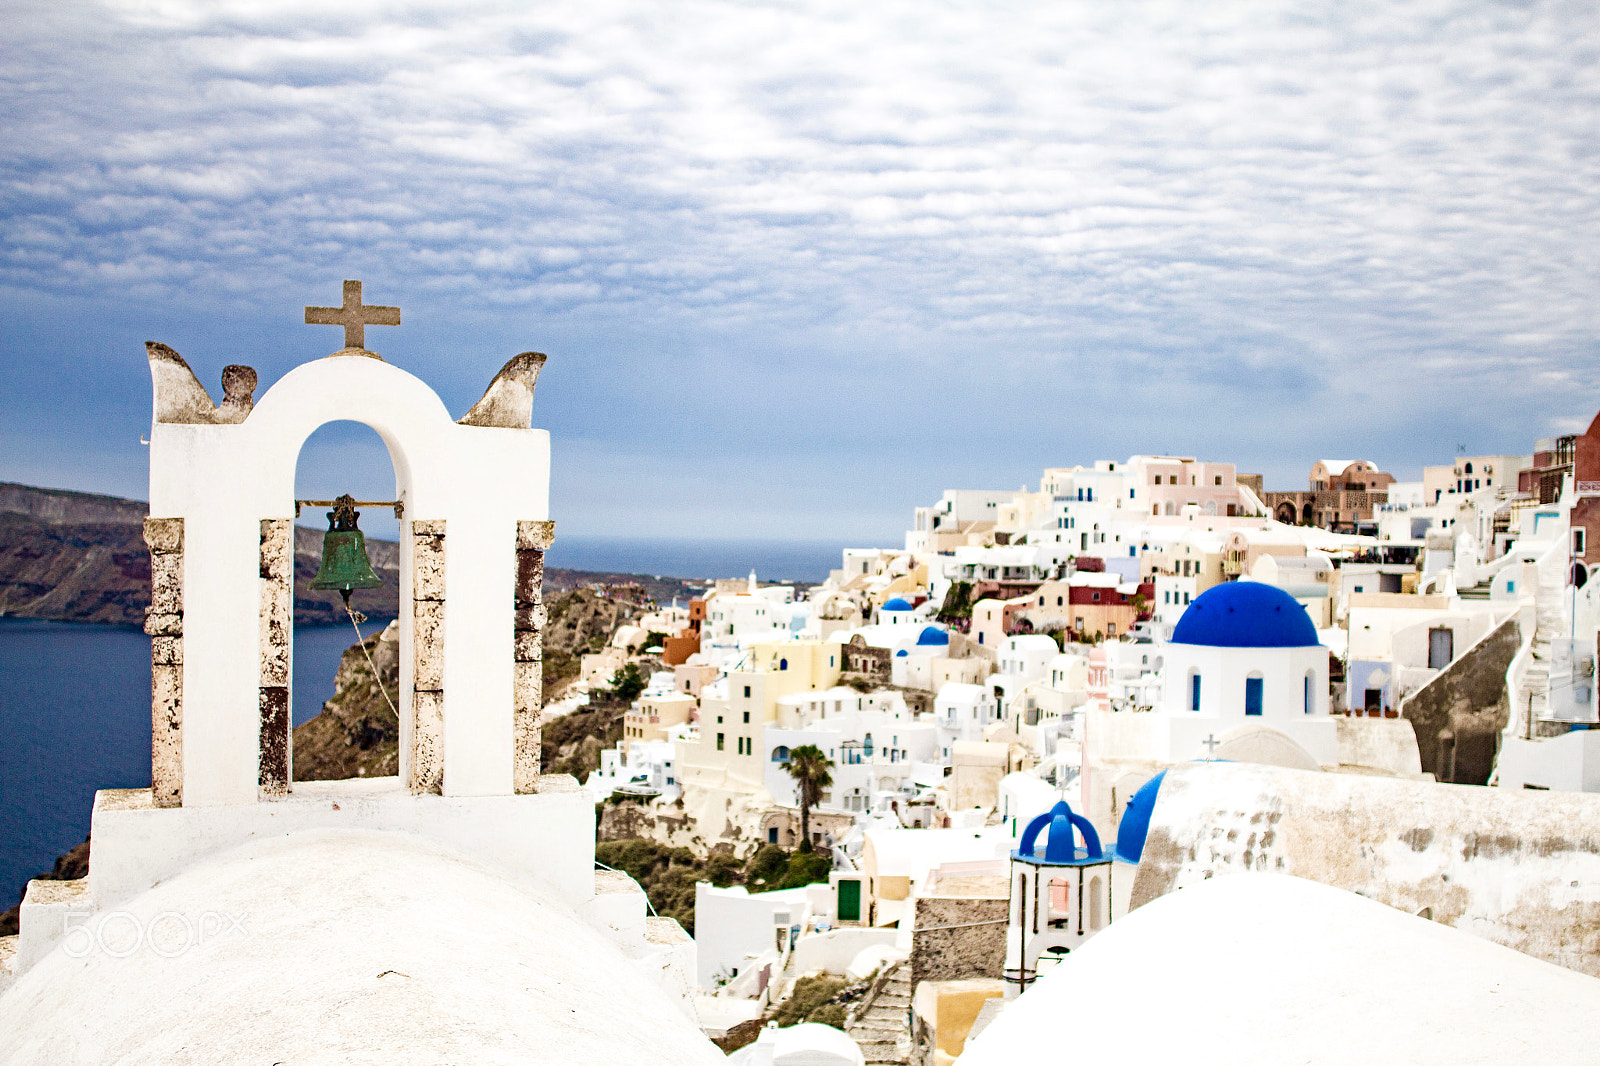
[(427, 657), (527, 685), (164, 624), (1521, 869), (277, 632), (1461, 712), (958, 937)]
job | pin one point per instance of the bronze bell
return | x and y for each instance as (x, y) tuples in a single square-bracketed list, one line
[(345, 565)]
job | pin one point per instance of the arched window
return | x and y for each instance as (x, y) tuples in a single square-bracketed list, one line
[(866, 745), (780, 753), (1194, 690), (1096, 907), (1310, 678), (1171, 508), (783, 664), (1253, 686), (1467, 469)]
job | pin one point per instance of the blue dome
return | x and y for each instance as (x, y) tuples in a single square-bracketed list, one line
[(1135, 824), (933, 636), (1245, 614), (1060, 849), (901, 653), (897, 604)]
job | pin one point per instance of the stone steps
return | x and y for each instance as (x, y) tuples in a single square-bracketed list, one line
[(882, 1033)]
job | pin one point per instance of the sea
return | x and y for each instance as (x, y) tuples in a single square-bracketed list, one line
[(75, 717), (75, 699)]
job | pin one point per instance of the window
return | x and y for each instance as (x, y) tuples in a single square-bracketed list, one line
[(719, 741), (1194, 690), (1252, 696), (747, 692), (783, 664), (1309, 678), (746, 717), (1577, 541), (1219, 479), (1058, 601)]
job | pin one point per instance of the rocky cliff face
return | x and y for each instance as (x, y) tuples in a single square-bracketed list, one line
[(78, 557), (358, 733)]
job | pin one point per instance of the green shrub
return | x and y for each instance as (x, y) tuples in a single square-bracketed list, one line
[(810, 993)]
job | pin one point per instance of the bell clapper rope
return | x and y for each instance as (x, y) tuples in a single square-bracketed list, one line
[(356, 618)]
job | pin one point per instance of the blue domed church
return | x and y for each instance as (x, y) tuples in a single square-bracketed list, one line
[(1245, 659)]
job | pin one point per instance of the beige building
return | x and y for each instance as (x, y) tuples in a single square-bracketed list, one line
[(734, 710), (651, 717)]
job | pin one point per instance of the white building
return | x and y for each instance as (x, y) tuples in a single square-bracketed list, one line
[(1245, 654)]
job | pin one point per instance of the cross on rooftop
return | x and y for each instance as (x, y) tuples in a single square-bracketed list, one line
[(354, 316), (1211, 745)]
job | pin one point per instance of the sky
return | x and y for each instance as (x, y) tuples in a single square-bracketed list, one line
[(800, 267)]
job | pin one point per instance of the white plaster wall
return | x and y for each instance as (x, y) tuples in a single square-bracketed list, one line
[(1567, 763), (223, 479), (730, 924), (1223, 672), (833, 951)]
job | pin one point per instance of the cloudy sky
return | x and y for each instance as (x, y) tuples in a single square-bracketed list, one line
[(798, 267)]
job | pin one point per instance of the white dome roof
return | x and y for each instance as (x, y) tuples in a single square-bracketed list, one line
[(1267, 969), (343, 946)]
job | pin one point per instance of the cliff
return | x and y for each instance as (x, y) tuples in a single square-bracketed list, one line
[(357, 734), (81, 557)]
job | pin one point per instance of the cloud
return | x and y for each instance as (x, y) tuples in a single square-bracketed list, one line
[(1247, 230)]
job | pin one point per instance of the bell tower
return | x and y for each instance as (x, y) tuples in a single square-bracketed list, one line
[(1059, 898), (472, 496)]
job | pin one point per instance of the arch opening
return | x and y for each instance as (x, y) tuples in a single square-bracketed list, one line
[(354, 731)]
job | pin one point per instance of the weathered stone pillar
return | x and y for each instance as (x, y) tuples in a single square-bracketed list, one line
[(277, 630), (427, 657), (533, 539), (164, 623)]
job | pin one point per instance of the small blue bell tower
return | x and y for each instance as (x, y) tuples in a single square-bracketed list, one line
[(1060, 895)]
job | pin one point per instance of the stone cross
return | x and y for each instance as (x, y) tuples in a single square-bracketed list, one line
[(354, 316), (1211, 745)]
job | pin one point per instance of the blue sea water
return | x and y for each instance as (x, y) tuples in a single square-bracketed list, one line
[(75, 717)]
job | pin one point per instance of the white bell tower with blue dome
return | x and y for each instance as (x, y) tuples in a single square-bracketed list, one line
[(1246, 654), (1060, 895)]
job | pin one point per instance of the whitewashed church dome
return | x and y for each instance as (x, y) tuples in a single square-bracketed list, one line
[(338, 947)]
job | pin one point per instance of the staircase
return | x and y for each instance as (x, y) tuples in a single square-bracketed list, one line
[(1528, 679), (881, 1025)]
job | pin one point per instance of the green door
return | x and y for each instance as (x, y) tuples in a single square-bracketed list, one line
[(850, 900)]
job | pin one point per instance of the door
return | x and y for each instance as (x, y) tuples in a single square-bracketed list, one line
[(1441, 648), (849, 900)]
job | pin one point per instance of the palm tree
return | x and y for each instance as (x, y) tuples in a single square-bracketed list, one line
[(809, 768)]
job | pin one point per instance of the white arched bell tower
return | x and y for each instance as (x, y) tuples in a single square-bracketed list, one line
[(475, 525)]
